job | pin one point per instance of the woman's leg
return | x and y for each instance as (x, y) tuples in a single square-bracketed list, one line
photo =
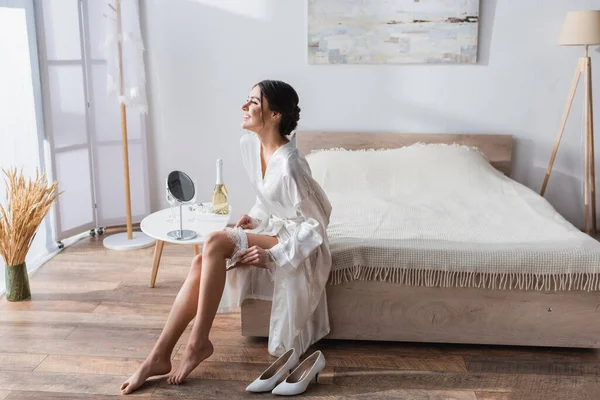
[(183, 311), (212, 281)]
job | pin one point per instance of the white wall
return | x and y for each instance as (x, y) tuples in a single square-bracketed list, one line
[(205, 55)]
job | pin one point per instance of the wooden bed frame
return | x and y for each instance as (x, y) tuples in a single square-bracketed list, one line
[(371, 310)]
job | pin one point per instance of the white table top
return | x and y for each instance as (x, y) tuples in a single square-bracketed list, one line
[(157, 224)]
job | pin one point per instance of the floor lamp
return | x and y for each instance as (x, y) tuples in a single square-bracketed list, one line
[(129, 240), (581, 28)]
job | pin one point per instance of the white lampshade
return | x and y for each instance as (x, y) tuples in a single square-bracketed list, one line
[(581, 28)]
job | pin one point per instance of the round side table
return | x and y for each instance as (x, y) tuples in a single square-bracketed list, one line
[(158, 224)]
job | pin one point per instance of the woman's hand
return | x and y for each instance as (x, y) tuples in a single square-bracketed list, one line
[(255, 256), (247, 222)]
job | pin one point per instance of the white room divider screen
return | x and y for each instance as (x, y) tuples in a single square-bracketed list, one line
[(21, 116), (83, 122)]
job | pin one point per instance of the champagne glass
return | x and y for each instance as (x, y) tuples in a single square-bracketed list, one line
[(171, 200), (192, 203), (193, 200)]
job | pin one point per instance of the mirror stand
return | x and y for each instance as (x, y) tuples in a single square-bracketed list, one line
[(181, 234), (182, 190)]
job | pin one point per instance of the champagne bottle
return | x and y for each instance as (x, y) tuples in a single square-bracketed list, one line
[(220, 200)]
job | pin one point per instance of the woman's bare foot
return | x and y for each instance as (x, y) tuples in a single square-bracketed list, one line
[(193, 355), (150, 367)]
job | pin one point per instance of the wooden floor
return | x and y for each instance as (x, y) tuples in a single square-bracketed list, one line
[(93, 319)]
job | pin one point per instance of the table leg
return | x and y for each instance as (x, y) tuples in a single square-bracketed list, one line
[(197, 249), (157, 253)]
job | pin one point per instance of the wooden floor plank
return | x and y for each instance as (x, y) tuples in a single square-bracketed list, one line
[(94, 263), (165, 268), (110, 348), (62, 286), (78, 272), (457, 380), (20, 361), (94, 319), (28, 395), (161, 296), (208, 389), (52, 305), (557, 366), (17, 329), (89, 365), (113, 307), (171, 285), (82, 253), (417, 395), (399, 362), (102, 333), (66, 383), (493, 396)]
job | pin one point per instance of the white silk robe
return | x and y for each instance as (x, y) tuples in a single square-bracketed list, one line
[(290, 205)]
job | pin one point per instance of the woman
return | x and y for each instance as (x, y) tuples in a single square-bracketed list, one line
[(278, 252)]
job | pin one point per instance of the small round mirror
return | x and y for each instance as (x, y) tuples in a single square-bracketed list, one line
[(181, 186)]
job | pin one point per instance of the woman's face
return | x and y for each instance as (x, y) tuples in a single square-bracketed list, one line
[(255, 112)]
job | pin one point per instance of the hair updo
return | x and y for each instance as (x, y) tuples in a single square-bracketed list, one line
[(282, 98)]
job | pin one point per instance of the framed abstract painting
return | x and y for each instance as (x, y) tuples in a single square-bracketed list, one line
[(392, 31)]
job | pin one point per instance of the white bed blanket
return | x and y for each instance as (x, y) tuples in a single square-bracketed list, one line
[(441, 215)]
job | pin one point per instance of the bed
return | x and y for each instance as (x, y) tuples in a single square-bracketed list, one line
[(433, 242)]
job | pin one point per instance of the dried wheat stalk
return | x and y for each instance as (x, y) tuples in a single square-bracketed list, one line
[(27, 203)]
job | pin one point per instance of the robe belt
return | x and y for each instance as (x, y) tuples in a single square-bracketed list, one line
[(285, 220)]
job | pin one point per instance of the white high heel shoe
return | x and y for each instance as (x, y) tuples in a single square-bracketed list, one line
[(275, 373), (298, 380)]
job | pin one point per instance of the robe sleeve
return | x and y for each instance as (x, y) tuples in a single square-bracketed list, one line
[(307, 235)]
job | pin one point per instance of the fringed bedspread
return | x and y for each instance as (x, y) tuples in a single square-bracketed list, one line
[(442, 216)]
